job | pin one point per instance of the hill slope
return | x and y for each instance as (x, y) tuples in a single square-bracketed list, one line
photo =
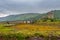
[(56, 14), (28, 16)]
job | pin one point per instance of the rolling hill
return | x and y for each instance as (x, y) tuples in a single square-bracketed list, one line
[(29, 16), (56, 14)]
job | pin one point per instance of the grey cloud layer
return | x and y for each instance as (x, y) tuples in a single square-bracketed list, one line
[(29, 5)]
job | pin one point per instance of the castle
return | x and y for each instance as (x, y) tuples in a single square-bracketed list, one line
[(50, 15)]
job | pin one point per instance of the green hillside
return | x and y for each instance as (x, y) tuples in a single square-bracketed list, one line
[(28, 16), (56, 14)]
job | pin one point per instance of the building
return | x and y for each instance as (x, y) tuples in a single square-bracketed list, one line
[(50, 15), (18, 22)]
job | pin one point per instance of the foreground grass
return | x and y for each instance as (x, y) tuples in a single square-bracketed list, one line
[(29, 28), (24, 31)]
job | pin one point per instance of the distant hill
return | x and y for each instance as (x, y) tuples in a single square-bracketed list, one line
[(56, 14), (29, 16)]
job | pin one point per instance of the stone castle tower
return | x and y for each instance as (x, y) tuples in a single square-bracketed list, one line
[(50, 15)]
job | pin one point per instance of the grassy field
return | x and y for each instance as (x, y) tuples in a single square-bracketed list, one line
[(36, 27), (22, 31)]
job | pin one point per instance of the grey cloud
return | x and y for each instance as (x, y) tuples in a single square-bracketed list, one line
[(28, 5)]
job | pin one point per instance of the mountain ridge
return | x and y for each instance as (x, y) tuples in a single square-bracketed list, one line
[(30, 16)]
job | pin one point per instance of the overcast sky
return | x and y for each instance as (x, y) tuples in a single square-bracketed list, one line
[(8, 7)]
